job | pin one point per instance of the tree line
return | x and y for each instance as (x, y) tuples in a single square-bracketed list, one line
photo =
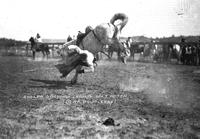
[(5, 42)]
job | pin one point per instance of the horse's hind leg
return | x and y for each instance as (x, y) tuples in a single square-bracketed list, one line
[(47, 54), (33, 54), (43, 54), (75, 78)]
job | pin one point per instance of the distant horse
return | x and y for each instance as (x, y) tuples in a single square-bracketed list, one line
[(102, 35), (39, 47)]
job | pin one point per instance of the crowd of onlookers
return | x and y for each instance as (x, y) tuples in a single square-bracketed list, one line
[(190, 54), (187, 53)]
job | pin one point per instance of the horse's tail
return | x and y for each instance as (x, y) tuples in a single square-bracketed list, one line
[(122, 17)]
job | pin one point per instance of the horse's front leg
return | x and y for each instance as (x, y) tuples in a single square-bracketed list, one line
[(75, 78), (118, 55)]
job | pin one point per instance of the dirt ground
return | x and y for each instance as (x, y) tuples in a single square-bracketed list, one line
[(145, 100)]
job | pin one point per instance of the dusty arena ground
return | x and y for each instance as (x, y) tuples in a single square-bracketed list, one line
[(145, 100)]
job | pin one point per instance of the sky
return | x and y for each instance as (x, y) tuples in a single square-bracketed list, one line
[(56, 19)]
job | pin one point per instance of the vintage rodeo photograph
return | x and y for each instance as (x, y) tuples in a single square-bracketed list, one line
[(100, 69)]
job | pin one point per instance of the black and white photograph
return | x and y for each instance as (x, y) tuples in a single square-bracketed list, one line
[(99, 69)]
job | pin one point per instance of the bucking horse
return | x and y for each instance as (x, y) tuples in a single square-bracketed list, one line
[(95, 40), (39, 47)]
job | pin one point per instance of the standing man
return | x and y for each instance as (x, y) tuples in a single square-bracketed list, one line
[(130, 47), (183, 56), (128, 42)]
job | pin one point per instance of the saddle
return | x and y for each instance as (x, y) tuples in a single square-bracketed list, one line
[(81, 35)]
